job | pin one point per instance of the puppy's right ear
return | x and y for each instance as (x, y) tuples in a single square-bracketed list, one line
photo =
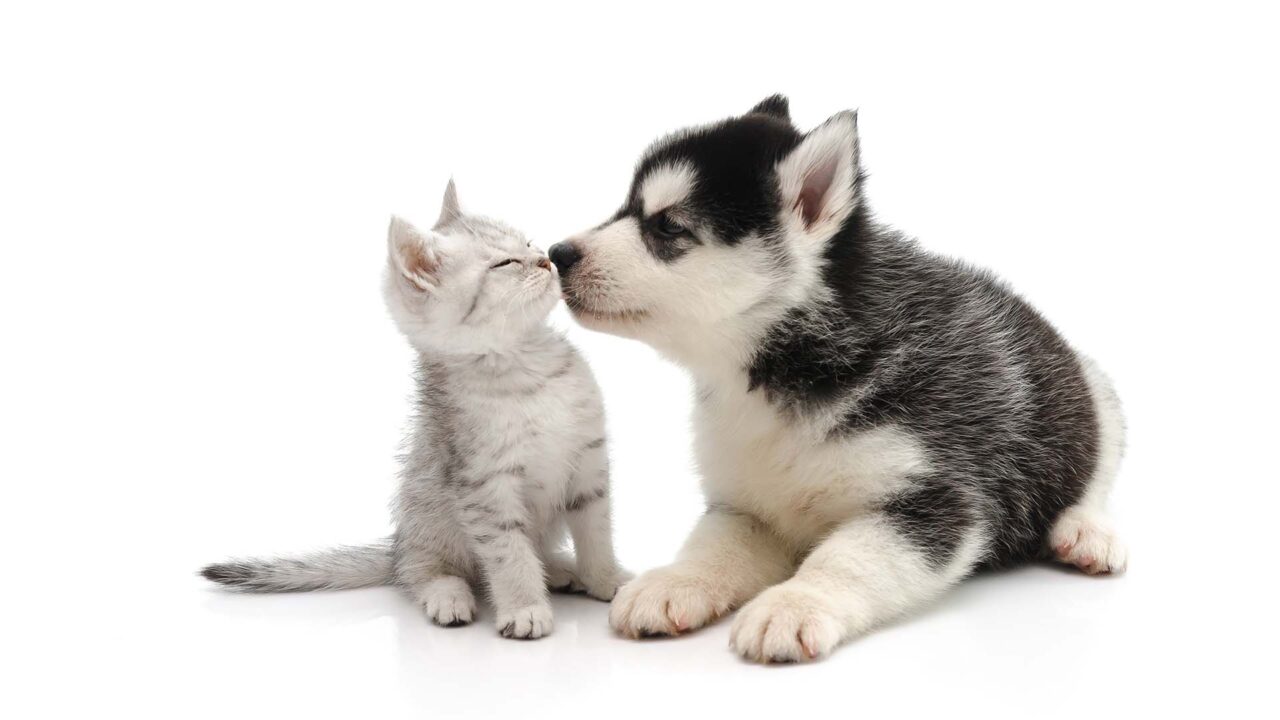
[(819, 179), (414, 254)]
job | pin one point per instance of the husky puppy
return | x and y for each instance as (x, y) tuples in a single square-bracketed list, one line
[(873, 422), (507, 451)]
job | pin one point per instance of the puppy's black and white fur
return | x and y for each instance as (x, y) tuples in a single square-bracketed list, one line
[(873, 422)]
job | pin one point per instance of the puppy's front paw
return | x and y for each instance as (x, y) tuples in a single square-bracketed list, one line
[(666, 601), (786, 623), (525, 623)]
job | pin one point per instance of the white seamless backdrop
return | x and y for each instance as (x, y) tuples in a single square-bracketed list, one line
[(196, 362)]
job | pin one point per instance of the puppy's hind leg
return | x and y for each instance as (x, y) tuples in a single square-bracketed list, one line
[(1083, 535)]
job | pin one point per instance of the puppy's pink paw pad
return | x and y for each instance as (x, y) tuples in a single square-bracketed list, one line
[(1087, 541)]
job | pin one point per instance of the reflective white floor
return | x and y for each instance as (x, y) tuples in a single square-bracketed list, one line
[(1041, 642)]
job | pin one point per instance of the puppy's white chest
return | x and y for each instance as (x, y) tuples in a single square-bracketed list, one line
[(800, 479)]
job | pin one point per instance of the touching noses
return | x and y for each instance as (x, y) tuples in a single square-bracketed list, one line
[(564, 255), (544, 263)]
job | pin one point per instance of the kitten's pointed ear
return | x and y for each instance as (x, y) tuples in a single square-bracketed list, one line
[(413, 253), (774, 105), (819, 179), (450, 210)]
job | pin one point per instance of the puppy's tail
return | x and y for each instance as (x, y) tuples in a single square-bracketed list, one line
[(337, 569)]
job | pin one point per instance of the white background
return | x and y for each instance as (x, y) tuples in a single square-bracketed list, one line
[(196, 362)]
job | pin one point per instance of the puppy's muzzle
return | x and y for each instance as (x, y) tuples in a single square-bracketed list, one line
[(565, 255)]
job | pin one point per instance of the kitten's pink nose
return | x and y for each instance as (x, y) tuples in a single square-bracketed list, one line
[(544, 263)]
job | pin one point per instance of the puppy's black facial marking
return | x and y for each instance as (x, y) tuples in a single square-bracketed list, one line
[(736, 190), (667, 238)]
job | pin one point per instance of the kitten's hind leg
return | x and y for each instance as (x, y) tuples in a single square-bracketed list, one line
[(447, 600), (562, 576), (431, 559), (558, 563)]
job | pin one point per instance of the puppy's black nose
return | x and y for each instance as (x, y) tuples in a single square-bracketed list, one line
[(564, 255)]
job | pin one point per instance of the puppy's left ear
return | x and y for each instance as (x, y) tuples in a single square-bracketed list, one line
[(819, 179), (775, 106)]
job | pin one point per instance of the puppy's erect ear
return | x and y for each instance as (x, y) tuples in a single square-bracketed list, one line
[(450, 210), (413, 253), (819, 178), (775, 105)]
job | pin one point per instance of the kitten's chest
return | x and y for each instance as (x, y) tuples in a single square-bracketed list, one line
[(541, 423), (539, 429)]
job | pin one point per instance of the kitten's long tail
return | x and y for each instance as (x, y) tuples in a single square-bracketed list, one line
[(336, 569)]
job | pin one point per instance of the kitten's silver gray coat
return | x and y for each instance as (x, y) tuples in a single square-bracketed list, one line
[(508, 449)]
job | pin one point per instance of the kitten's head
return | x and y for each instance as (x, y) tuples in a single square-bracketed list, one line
[(468, 285)]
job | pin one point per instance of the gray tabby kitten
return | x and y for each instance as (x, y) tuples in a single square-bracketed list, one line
[(508, 449)]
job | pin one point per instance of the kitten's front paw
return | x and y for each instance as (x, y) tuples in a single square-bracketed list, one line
[(526, 623), (666, 601), (562, 576), (448, 601), (786, 623)]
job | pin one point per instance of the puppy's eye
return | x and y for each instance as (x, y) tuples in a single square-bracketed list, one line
[(669, 228), (504, 263)]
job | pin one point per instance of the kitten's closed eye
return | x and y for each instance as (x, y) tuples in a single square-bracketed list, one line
[(504, 263)]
